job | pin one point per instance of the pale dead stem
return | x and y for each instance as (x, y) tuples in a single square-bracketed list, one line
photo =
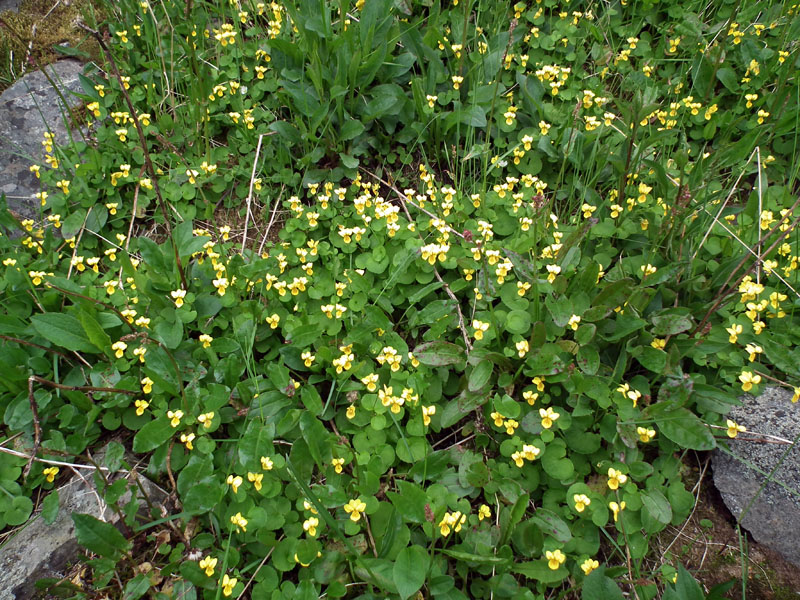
[(250, 191), (406, 200)]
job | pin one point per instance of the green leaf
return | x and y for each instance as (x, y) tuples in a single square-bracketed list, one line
[(474, 116), (727, 76), (514, 516), (63, 330), (286, 131), (681, 426), (94, 331), (560, 309), (410, 501), (410, 570), (588, 360), (50, 507), (670, 323), (480, 375), (782, 357), (99, 537), (315, 435), (518, 321), (551, 524), (136, 587), (440, 354), (539, 571), (477, 559), (255, 443), (351, 129), (19, 511), (152, 435), (185, 240), (597, 586), (657, 505), (653, 360), (614, 294)]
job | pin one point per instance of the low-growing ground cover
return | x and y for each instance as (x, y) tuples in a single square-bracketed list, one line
[(487, 273)]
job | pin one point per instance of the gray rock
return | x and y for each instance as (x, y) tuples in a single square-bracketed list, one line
[(27, 109), (40, 551), (12, 5), (773, 517)]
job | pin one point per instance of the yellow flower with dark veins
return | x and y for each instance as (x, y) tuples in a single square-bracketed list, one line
[(337, 464), (50, 473), (645, 434)]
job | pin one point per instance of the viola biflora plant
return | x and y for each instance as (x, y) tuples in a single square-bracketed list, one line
[(491, 272)]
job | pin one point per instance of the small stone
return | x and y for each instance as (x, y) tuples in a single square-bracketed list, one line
[(38, 551), (27, 109), (773, 516)]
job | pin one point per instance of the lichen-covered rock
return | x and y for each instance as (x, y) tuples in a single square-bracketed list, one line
[(27, 109), (773, 516)]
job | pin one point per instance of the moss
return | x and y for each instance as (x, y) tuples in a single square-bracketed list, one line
[(36, 28)]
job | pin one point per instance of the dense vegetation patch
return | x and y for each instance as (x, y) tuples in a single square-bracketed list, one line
[(487, 274)]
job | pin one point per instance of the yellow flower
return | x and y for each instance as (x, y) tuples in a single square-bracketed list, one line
[(308, 358), (266, 463), (645, 434), (480, 328), (555, 559), (796, 395), (454, 520), (207, 565), (141, 405), (140, 352), (206, 340), (749, 380), (530, 397), (659, 343), (522, 348), (228, 583), (337, 464), (734, 428), (647, 269), (351, 411), (119, 348), (753, 350), (255, 479), (175, 417), (273, 321), (553, 270), (205, 419), (234, 481), (427, 412), (510, 425), (589, 565), (581, 502), (240, 522), (355, 508), (178, 296), (187, 439), (147, 385), (616, 478), (484, 512), (574, 320), (498, 419), (310, 525), (733, 331), (549, 416), (539, 383), (50, 473), (616, 509)]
